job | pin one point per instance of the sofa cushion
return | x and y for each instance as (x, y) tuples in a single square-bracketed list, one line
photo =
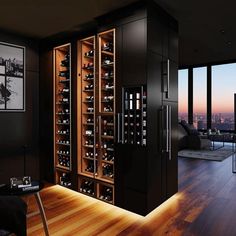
[(190, 129)]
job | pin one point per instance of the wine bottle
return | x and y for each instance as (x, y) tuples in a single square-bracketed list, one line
[(108, 98), (89, 98), (90, 120), (89, 132), (89, 76), (89, 53), (108, 170), (108, 46), (65, 180), (87, 187), (90, 109), (90, 167), (88, 87), (107, 61), (108, 108), (64, 73), (109, 86)]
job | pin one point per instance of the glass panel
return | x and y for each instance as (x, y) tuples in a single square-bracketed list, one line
[(200, 97), (183, 94), (223, 89)]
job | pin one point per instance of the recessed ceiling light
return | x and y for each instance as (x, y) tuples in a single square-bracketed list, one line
[(222, 31), (229, 43)]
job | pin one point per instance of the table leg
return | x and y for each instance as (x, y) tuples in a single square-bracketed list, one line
[(42, 213)]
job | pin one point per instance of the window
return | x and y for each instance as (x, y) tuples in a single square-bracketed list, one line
[(183, 94), (200, 97), (223, 89)]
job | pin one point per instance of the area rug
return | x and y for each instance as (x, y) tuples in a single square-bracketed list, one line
[(215, 155)]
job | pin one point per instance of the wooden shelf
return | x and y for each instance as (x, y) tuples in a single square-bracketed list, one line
[(60, 54), (64, 81), (105, 179), (62, 114), (108, 162), (107, 53), (62, 167), (88, 68), (63, 144), (107, 137), (89, 124), (89, 158)]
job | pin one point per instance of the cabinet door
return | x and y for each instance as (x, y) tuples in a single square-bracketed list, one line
[(169, 80), (173, 43), (169, 158), (134, 53), (154, 98), (170, 40)]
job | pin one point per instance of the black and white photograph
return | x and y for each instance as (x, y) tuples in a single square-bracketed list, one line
[(12, 77)]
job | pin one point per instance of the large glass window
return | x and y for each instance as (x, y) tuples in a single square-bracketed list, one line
[(183, 94), (200, 97), (223, 89)]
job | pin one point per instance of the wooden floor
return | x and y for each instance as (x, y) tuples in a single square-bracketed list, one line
[(204, 206)]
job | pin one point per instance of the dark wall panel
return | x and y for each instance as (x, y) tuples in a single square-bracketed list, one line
[(20, 129), (46, 113)]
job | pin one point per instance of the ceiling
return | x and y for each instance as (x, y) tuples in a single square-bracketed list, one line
[(206, 29)]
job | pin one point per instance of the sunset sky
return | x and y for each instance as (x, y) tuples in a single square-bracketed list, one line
[(223, 89)]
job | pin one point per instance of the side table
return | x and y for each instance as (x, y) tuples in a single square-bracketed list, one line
[(6, 190)]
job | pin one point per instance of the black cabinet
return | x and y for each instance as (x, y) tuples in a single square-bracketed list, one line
[(146, 175)]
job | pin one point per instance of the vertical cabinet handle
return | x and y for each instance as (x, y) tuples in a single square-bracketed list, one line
[(170, 132), (120, 128), (166, 78), (166, 130)]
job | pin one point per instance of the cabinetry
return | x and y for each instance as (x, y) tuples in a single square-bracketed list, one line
[(62, 115), (96, 107)]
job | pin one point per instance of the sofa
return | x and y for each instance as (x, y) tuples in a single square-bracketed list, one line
[(190, 138)]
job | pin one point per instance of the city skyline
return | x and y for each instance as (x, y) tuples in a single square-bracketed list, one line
[(223, 89), (221, 121)]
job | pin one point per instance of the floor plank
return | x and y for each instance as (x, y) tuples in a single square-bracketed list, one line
[(204, 205)]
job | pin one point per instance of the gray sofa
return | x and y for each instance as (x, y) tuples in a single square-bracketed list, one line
[(189, 138)]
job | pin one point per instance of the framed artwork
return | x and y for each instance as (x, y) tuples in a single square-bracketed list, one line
[(12, 78)]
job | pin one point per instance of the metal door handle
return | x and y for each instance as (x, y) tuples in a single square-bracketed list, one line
[(168, 79), (170, 132), (167, 128)]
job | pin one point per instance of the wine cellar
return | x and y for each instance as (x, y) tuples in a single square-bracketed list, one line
[(111, 88), (62, 115), (96, 107)]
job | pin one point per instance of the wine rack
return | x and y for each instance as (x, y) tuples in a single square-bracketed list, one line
[(88, 163), (107, 65), (62, 115), (135, 115), (96, 107), (63, 178), (87, 186), (97, 189)]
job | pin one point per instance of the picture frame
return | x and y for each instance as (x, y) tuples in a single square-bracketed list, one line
[(12, 78)]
